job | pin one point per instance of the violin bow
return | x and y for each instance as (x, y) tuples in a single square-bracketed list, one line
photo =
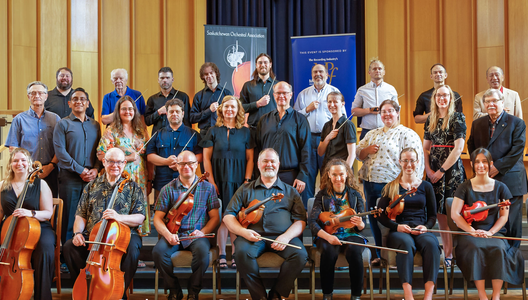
[(192, 237), (220, 97), (144, 145), (275, 241), (141, 95), (375, 247), (272, 82), (467, 233), (187, 142), (345, 121)]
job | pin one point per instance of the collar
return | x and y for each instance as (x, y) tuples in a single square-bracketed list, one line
[(73, 117), (322, 90), (115, 94), (374, 84), (160, 93), (32, 113), (179, 185), (288, 111), (496, 121), (277, 184), (341, 120), (267, 80)]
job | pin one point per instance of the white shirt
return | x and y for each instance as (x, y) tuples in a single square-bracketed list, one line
[(318, 117), (384, 166), (371, 95)]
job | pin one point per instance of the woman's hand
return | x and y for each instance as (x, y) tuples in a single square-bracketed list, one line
[(372, 149), (436, 176), (333, 240), (419, 230), (404, 228)]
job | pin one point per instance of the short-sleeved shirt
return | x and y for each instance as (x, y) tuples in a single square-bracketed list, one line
[(205, 200), (110, 101), (278, 216), (169, 142), (423, 103), (371, 95), (96, 197), (290, 137), (250, 94), (34, 134), (337, 147), (58, 103), (200, 111), (158, 100)]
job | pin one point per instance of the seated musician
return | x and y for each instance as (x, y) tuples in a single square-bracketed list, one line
[(479, 257), (128, 209), (338, 193), (282, 221), (204, 218), (38, 204), (419, 213)]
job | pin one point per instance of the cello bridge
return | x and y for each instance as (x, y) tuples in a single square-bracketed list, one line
[(93, 263)]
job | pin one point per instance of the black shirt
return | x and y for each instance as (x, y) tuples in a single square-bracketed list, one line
[(156, 101), (289, 136), (423, 104), (200, 111), (58, 103), (250, 94), (337, 148)]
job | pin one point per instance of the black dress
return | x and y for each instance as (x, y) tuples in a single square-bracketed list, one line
[(43, 256), (454, 176), (481, 258), (228, 159), (337, 147)]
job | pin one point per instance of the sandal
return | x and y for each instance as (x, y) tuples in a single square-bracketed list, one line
[(447, 262), (141, 264), (222, 262), (233, 264)]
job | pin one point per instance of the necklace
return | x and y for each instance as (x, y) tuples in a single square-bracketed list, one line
[(18, 186)]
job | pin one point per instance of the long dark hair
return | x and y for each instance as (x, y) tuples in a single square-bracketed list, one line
[(474, 155), (326, 183), (137, 125), (255, 74)]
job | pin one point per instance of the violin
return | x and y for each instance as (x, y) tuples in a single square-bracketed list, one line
[(479, 210), (253, 213), (102, 278), (19, 237), (182, 207), (332, 222), (397, 205)]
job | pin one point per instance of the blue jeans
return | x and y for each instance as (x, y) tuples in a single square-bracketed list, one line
[(363, 133), (372, 193)]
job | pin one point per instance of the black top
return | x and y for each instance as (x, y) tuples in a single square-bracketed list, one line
[(423, 104), (58, 103), (337, 148), (31, 202), (419, 208), (469, 196), (200, 111), (250, 94), (156, 101), (278, 215), (289, 136)]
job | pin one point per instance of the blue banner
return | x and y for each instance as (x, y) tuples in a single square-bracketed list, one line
[(336, 52), (234, 49)]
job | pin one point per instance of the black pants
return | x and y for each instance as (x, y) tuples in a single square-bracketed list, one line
[(42, 260), (514, 224), (428, 246), (354, 256), (75, 258), (53, 182), (162, 253), (246, 255)]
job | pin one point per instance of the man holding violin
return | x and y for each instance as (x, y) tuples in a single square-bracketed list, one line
[(203, 218), (282, 221), (129, 209)]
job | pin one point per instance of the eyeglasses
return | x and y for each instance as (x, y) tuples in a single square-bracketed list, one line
[(186, 163), (115, 162), (123, 109), (34, 93), (386, 112), (407, 161), (78, 100), (443, 95), (493, 101)]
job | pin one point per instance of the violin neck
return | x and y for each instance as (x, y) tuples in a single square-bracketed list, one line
[(256, 206), (480, 209), (186, 194), (347, 218), (104, 222), (14, 220)]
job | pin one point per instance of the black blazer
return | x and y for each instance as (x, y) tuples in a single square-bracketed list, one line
[(506, 147)]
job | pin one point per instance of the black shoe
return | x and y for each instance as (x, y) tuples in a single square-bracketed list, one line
[(192, 297), (174, 295), (274, 295), (327, 296)]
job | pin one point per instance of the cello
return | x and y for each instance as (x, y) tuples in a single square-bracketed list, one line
[(182, 207), (16, 275), (102, 278), (253, 213)]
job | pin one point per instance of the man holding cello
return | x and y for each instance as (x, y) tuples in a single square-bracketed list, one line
[(194, 219), (278, 229), (95, 206)]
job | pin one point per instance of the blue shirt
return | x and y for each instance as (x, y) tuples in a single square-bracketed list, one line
[(169, 142), (200, 111), (34, 134), (110, 101)]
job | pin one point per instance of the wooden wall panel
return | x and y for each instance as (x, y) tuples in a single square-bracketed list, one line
[(3, 56), (23, 50), (53, 30), (518, 43)]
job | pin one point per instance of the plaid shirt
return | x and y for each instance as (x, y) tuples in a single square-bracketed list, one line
[(205, 200)]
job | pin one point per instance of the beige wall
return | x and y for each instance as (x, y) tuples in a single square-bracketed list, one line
[(92, 37)]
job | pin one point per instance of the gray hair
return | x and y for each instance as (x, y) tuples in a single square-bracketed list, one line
[(37, 83), (268, 150), (490, 92), (375, 60), (114, 150), (117, 70)]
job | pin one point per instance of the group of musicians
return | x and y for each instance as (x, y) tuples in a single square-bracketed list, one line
[(265, 210)]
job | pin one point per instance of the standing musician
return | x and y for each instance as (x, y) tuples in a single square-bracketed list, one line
[(204, 218), (338, 193), (129, 209), (282, 221), (419, 213), (38, 204), (479, 257)]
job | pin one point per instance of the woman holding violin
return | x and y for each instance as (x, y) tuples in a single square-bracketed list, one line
[(38, 204), (479, 257), (408, 223), (339, 195), (445, 132)]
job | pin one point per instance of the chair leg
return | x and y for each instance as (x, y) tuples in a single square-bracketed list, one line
[(371, 283), (237, 285), (131, 287), (295, 289), (446, 286), (524, 289), (156, 281), (387, 277), (452, 277), (505, 288), (214, 281), (312, 280), (465, 290), (364, 281), (219, 280), (380, 281)]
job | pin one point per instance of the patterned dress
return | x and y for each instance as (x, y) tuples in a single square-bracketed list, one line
[(454, 176)]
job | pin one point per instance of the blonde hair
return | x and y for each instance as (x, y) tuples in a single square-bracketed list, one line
[(435, 114), (239, 120), (392, 188), (10, 175)]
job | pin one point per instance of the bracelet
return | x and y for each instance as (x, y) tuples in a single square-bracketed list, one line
[(54, 165)]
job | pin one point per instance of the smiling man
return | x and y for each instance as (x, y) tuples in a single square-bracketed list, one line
[(504, 136), (512, 101), (119, 79), (58, 97)]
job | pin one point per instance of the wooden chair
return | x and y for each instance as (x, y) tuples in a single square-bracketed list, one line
[(56, 223)]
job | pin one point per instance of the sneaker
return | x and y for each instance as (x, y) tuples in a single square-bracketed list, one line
[(64, 268)]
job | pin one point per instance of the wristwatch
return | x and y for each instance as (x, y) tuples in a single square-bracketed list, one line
[(442, 170), (76, 233), (33, 213)]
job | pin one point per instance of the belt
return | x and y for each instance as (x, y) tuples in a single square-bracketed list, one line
[(316, 134), (286, 171), (443, 146)]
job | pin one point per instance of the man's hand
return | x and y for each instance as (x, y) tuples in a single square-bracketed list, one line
[(111, 214), (78, 240), (88, 175), (263, 101), (197, 233), (374, 110), (250, 235), (299, 185), (46, 170), (132, 156), (493, 171), (280, 247), (162, 110), (214, 106), (313, 106), (172, 239), (171, 162)]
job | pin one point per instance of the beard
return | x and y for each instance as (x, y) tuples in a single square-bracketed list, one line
[(64, 85)]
